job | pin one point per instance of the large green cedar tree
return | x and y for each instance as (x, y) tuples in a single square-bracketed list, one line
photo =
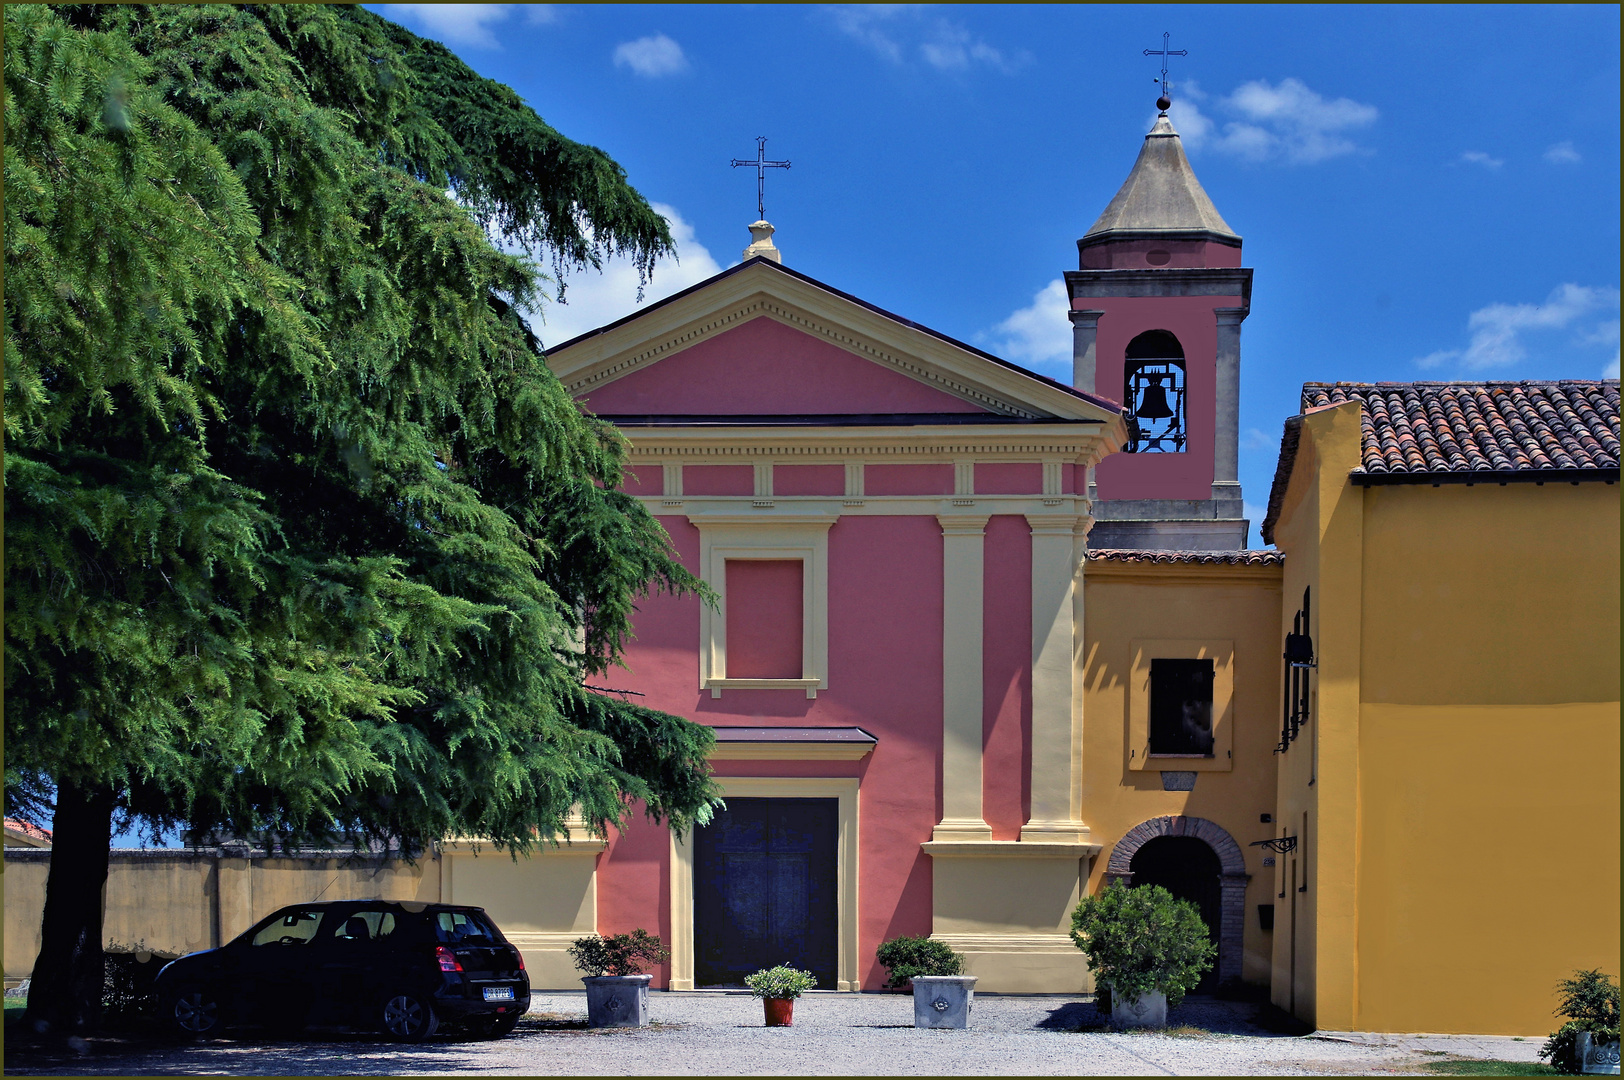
[(302, 538)]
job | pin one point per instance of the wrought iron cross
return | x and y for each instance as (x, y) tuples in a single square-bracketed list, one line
[(1164, 52), (762, 165)]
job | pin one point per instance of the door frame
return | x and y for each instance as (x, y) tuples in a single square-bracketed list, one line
[(841, 788)]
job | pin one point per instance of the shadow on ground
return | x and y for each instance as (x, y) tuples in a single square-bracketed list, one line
[(253, 1052), (1197, 1014)]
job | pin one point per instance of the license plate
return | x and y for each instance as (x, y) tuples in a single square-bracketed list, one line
[(499, 993)]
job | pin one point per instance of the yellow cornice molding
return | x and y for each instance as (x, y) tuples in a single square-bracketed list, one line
[(1010, 849), (1149, 573), (761, 291), (579, 842)]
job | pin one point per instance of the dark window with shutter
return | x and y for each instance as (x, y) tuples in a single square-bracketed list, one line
[(1181, 707)]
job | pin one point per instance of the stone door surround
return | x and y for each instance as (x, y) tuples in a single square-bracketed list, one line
[(1232, 877)]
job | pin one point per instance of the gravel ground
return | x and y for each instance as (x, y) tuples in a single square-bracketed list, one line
[(833, 1035)]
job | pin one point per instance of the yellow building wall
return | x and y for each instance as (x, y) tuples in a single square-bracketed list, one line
[(1128, 602), (1455, 793), (1489, 753), (174, 902)]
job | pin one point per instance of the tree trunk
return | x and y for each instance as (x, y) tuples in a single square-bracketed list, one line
[(65, 992)]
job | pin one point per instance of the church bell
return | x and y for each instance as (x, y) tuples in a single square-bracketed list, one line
[(1153, 402)]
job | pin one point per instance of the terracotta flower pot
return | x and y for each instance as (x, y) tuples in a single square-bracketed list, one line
[(780, 1011)]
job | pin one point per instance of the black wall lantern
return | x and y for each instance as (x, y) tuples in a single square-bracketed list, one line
[(1300, 651), (1299, 657)]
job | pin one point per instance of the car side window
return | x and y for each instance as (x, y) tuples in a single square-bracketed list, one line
[(294, 927), (367, 924)]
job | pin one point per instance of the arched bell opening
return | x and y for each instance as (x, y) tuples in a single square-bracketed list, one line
[(1154, 392)]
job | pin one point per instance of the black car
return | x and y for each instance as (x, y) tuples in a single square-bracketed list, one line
[(400, 967)]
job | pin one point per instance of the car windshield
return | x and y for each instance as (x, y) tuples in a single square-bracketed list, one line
[(465, 928), (296, 926)]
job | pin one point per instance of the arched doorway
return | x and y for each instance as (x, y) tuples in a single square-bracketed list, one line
[(1230, 925), (1186, 867)]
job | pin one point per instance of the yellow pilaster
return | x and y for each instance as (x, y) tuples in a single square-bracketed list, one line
[(1056, 727), (1330, 845), (963, 543)]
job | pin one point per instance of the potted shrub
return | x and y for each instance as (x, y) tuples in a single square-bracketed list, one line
[(1145, 948), (1588, 1041), (778, 987), (943, 995), (616, 988)]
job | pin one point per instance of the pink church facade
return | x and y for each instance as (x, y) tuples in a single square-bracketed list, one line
[(880, 511), (916, 733)]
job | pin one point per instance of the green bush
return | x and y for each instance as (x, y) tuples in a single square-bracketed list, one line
[(1141, 940), (128, 973), (1590, 1002), (906, 957), (622, 954), (782, 981)]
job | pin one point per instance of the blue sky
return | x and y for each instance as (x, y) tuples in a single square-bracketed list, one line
[(1424, 192)]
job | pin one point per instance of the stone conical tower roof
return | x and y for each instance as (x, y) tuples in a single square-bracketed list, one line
[(1161, 198)]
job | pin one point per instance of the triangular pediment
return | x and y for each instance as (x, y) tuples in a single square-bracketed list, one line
[(760, 339)]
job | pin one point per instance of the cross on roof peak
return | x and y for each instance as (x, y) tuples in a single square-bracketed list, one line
[(1164, 52), (762, 165)]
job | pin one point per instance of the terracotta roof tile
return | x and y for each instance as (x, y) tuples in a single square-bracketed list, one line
[(1466, 432), (1205, 558), (29, 829), (1435, 427)]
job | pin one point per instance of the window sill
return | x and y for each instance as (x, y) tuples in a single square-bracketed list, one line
[(811, 686)]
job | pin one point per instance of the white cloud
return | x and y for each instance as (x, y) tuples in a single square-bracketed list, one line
[(594, 299), (895, 32), (1254, 513), (454, 24), (1498, 330), (1563, 153), (1258, 439), (1606, 334), (1288, 122), (869, 24), (953, 48), (1037, 335), (1478, 157), (652, 56), (541, 14)]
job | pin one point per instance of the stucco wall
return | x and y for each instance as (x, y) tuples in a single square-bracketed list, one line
[(1464, 735), (1488, 740), (175, 902), (885, 675), (1190, 319), (1128, 602)]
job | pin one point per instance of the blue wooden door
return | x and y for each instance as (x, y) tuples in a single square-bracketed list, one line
[(764, 890)]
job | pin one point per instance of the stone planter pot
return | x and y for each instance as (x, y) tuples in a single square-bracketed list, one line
[(943, 1001), (617, 1000), (779, 1012), (1597, 1058), (1149, 1011)]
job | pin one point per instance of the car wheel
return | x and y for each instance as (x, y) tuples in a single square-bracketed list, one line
[(409, 1017), (195, 1011)]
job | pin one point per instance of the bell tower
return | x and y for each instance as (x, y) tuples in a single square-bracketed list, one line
[(1156, 308)]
